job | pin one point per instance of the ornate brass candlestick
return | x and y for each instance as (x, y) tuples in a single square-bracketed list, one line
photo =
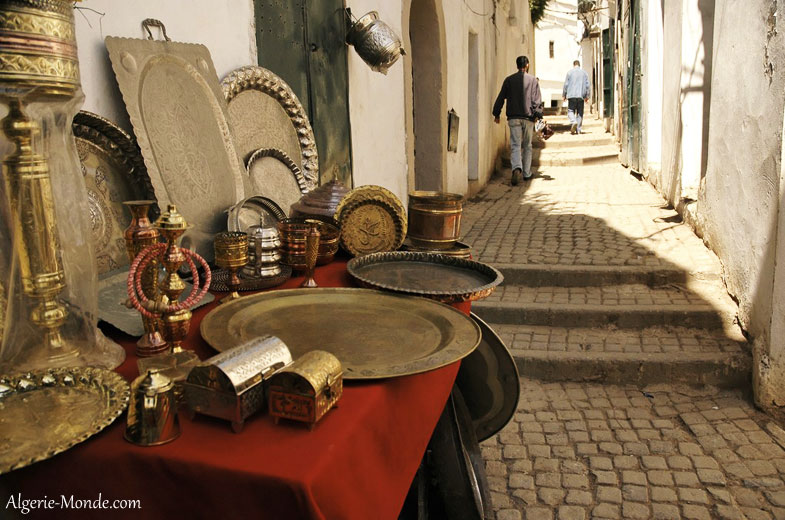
[(311, 253), (140, 234), (39, 82), (231, 253)]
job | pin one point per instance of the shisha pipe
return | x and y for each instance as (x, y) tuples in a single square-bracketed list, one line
[(175, 316)]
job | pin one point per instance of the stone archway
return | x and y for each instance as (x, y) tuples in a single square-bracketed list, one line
[(426, 90)]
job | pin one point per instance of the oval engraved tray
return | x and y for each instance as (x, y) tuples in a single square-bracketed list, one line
[(45, 412), (374, 334), (440, 277)]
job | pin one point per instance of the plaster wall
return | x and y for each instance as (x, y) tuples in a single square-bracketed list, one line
[(739, 203), (228, 33), (382, 133), (652, 86), (564, 31), (376, 112), (668, 179)]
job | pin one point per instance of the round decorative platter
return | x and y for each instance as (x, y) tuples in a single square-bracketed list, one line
[(253, 211), (489, 382), (372, 220), (114, 172), (265, 113), (374, 334), (45, 412), (275, 175), (440, 277)]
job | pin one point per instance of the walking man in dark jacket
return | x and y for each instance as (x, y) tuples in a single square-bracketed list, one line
[(521, 91)]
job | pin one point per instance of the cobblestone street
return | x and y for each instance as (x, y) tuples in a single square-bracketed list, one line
[(635, 377), (578, 450)]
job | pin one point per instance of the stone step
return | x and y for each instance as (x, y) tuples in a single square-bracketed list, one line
[(566, 140), (699, 305), (608, 154), (622, 356), (540, 275)]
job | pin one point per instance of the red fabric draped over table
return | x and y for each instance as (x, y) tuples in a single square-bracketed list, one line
[(358, 462)]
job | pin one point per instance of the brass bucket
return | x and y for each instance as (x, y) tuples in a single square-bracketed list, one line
[(434, 219)]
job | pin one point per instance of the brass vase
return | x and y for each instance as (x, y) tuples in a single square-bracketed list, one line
[(140, 234)]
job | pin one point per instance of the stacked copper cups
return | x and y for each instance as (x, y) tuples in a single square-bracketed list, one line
[(294, 234)]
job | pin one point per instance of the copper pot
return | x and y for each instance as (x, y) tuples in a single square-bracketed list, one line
[(434, 219)]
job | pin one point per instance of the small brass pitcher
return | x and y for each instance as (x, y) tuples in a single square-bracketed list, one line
[(152, 412)]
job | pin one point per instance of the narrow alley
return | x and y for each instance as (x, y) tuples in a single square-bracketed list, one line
[(614, 310)]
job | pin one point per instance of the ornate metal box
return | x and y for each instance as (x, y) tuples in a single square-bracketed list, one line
[(306, 389), (231, 385)]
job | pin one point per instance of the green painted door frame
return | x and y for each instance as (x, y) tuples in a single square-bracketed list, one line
[(633, 83), (304, 43), (608, 37)]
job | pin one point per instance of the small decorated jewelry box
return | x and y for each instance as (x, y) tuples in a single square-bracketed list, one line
[(231, 385), (306, 389)]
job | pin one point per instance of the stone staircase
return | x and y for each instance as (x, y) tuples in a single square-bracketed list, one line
[(602, 281)]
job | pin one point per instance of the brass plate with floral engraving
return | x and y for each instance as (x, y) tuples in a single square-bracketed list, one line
[(264, 112), (46, 412), (114, 172), (179, 115), (372, 333), (372, 220)]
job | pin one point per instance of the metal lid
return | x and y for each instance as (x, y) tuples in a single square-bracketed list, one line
[(152, 383), (171, 219), (323, 200)]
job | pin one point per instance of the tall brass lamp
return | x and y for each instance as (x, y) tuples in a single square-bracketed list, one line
[(47, 266)]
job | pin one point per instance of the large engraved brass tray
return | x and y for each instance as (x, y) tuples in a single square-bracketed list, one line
[(373, 334), (45, 412), (441, 277), (114, 172), (180, 119)]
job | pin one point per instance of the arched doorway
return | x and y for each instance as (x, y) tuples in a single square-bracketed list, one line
[(426, 91)]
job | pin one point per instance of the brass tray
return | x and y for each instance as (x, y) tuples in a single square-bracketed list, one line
[(221, 277), (253, 211), (180, 119), (441, 277), (264, 112), (373, 192), (46, 412), (371, 226), (489, 382), (374, 334), (114, 172), (274, 174)]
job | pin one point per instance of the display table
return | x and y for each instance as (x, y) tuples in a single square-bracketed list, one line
[(358, 462)]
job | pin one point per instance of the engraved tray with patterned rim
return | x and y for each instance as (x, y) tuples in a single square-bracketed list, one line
[(114, 172), (272, 173), (371, 226), (374, 334), (180, 119), (46, 412), (264, 112), (444, 278)]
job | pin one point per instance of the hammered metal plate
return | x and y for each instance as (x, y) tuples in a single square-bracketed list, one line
[(489, 382), (441, 277), (252, 212), (46, 412), (114, 172), (179, 115), (370, 227), (374, 334), (272, 173), (264, 112)]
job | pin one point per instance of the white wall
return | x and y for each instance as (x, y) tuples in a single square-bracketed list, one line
[(652, 84), (377, 102), (565, 32), (228, 33), (376, 112)]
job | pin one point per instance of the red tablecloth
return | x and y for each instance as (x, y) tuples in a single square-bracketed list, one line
[(358, 462)]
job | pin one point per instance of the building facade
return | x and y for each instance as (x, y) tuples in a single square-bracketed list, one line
[(557, 40)]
